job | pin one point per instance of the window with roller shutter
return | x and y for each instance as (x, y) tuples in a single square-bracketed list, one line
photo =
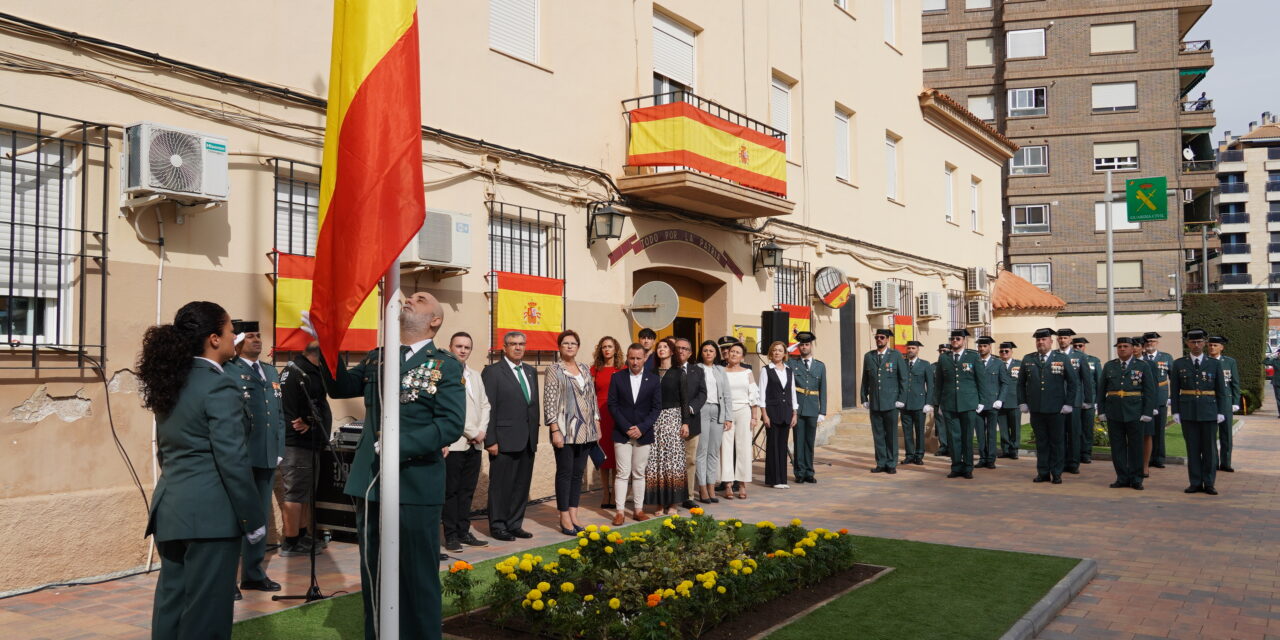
[(513, 28), (36, 192)]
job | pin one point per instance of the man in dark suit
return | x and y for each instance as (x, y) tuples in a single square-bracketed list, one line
[(1046, 388), (884, 387), (696, 393), (432, 410), (1201, 402), (512, 437), (635, 400)]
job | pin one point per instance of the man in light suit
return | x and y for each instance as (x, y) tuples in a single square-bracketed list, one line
[(462, 458), (635, 400), (512, 438)]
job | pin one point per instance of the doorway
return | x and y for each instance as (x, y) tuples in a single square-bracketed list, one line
[(690, 319)]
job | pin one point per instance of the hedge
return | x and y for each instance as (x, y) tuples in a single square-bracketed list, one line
[(1241, 318)]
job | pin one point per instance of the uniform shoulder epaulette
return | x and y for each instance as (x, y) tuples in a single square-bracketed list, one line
[(445, 353)]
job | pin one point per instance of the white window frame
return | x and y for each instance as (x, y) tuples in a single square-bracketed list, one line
[(1025, 169), (975, 5), (780, 109), (1031, 272), (1133, 37), (527, 246), (1117, 163), (891, 22), (1101, 274), (1022, 102), (891, 166), (786, 279), (926, 8), (843, 4), (1021, 33), (949, 193), (1026, 226), (844, 165), (505, 16), (302, 205), (669, 34), (975, 202), (1110, 103)]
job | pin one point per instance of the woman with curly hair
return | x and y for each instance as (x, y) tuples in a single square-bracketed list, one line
[(665, 478), (205, 500), (607, 361)]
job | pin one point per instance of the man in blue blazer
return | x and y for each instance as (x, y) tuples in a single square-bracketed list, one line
[(635, 400)]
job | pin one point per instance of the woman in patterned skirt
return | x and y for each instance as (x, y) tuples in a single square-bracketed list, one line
[(607, 361), (665, 481)]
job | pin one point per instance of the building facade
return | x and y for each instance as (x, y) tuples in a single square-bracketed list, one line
[(527, 116), (1087, 86)]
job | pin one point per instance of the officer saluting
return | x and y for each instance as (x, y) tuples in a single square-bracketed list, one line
[(920, 398), (1128, 401), (884, 384), (1046, 388), (961, 385), (1010, 415), (811, 394), (1231, 371), (1201, 400)]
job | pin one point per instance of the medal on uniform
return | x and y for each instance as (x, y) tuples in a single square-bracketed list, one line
[(418, 380)]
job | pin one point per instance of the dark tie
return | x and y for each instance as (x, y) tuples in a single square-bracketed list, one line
[(1042, 358), (956, 357), (1197, 363), (258, 369), (405, 350), (1124, 365)]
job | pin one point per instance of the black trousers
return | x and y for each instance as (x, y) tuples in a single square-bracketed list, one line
[(1126, 451), (1071, 426), (419, 567), (775, 453), (1087, 417), (461, 472), (571, 463), (196, 588), (510, 474), (253, 556), (1050, 433), (912, 433), (960, 429), (1157, 440), (884, 435), (987, 427), (1010, 429), (1202, 452)]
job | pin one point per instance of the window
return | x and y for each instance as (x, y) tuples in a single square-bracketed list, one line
[(513, 28), (891, 21), (843, 4), (1120, 156), (935, 55), (673, 55), (935, 5), (981, 52), (974, 203), (1119, 217), (842, 145), (955, 304), (1110, 38), (983, 106), (891, 166), (1024, 43), (1027, 102), (977, 4), (297, 207), (526, 241), (1036, 273), (1030, 218), (790, 283), (1115, 96), (949, 192), (1125, 274), (1030, 161), (780, 109), (906, 304)]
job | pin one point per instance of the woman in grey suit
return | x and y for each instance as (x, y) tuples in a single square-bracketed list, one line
[(715, 421)]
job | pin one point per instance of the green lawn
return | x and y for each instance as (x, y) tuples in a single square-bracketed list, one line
[(1174, 445), (935, 591)]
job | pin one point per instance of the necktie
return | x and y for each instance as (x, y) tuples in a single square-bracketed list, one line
[(258, 369), (405, 351), (1042, 358), (1124, 365), (524, 386), (956, 357)]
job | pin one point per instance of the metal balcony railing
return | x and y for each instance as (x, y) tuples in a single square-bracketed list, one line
[(1197, 105), (1196, 166), (1273, 247), (1235, 249), (1273, 216), (1237, 278), (1233, 187), (1273, 185), (1194, 46), (1273, 278), (1232, 155), (1234, 218)]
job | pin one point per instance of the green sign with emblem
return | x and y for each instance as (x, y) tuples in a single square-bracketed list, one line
[(1146, 199)]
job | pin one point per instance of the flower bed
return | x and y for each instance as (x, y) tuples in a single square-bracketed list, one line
[(678, 580)]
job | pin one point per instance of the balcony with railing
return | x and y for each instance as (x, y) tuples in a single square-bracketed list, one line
[(1273, 190), (1273, 278), (1233, 218), (1236, 279), (1229, 192), (1235, 248), (1273, 250), (1199, 166), (1194, 46), (1195, 58), (666, 165)]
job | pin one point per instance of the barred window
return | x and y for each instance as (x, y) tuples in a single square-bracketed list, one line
[(526, 241), (906, 298), (955, 302), (297, 203), (791, 283)]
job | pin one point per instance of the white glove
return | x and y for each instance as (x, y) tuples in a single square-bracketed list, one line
[(821, 418), (307, 326), (256, 535), (1235, 407), (1155, 412), (1024, 408), (279, 459), (981, 407), (898, 405), (1168, 403), (1177, 418), (1144, 419), (377, 447), (928, 408), (997, 404), (1102, 417), (1221, 418), (239, 338), (1086, 406), (1066, 409)]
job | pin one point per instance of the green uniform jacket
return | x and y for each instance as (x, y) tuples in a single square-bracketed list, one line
[(1095, 369), (266, 414), (1086, 384), (1162, 363), (1138, 379), (206, 487), (428, 423), (1197, 407), (998, 379), (961, 386), (1231, 370), (812, 379), (1046, 388), (1009, 394), (920, 385), (884, 379)]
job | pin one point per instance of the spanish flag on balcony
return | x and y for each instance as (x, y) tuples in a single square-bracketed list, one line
[(680, 134), (799, 320), (293, 296), (531, 305), (371, 194)]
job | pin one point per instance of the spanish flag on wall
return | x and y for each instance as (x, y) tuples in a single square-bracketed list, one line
[(293, 296), (371, 195), (529, 304), (681, 134), (799, 321)]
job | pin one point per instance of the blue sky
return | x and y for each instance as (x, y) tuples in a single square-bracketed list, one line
[(1245, 79)]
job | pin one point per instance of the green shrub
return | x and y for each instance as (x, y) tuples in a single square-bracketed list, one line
[(1241, 318)]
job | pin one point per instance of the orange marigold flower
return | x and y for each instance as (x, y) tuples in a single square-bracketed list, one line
[(844, 532), (653, 600)]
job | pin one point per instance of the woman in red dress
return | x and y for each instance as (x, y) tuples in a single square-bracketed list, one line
[(607, 361)]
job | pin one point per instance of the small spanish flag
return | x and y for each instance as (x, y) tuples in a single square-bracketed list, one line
[(680, 134), (838, 296), (531, 305), (293, 296), (799, 321)]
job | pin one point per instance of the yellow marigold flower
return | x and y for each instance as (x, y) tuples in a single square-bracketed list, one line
[(751, 561), (526, 566), (667, 593), (588, 598), (534, 594), (614, 603), (765, 524), (708, 584), (798, 551), (737, 525), (720, 590), (537, 559), (746, 571), (582, 534), (583, 542), (735, 564), (527, 556), (511, 576), (551, 602), (567, 587), (525, 604), (820, 531), (552, 566), (604, 527), (795, 522), (608, 549), (544, 587), (594, 536), (668, 524), (538, 605), (591, 528)]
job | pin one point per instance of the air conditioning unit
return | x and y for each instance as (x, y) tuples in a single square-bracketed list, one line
[(884, 295), (976, 313), (975, 280), (444, 240), (187, 166), (930, 304)]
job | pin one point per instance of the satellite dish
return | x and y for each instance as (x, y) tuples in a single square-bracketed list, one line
[(655, 305)]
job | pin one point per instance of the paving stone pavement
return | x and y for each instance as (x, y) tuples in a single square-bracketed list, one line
[(1171, 565)]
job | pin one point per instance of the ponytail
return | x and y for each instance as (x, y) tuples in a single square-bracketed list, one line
[(165, 360)]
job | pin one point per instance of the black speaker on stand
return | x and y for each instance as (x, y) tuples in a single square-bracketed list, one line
[(774, 326)]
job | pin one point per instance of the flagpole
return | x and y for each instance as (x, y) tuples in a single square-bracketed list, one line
[(389, 491)]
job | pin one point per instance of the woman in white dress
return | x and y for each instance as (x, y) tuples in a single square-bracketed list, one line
[(744, 411)]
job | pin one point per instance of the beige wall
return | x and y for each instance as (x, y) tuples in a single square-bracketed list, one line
[(66, 478)]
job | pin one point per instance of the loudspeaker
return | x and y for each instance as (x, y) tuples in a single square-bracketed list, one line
[(774, 325)]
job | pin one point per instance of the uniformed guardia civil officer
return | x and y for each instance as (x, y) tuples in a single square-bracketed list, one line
[(961, 386), (939, 420), (1231, 370), (1082, 400), (205, 503), (988, 420), (1128, 400), (811, 394), (1153, 444), (1088, 413), (1010, 415), (1202, 401), (917, 403), (432, 413), (260, 385), (1047, 384), (1274, 362), (884, 387)]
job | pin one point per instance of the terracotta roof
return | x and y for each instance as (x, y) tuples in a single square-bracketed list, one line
[(968, 115), (1264, 131), (1015, 293)]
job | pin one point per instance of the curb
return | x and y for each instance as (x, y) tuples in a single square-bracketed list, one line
[(1035, 620)]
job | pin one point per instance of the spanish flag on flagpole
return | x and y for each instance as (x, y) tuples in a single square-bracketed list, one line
[(371, 195)]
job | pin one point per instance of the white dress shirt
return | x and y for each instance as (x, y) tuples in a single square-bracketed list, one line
[(763, 384), (415, 348), (635, 386), (477, 419)]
